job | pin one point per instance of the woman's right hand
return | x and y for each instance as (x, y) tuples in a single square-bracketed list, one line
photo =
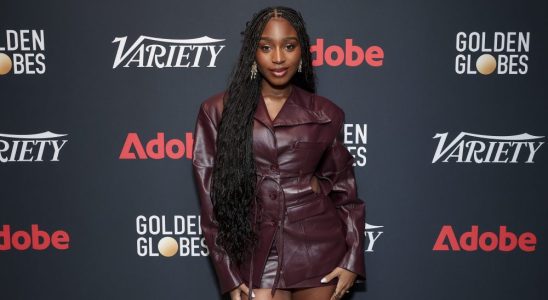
[(236, 294)]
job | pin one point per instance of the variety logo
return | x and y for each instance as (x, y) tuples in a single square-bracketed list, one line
[(351, 55), (31, 147), (170, 236), (23, 52), (478, 148), (157, 148), (503, 52), (355, 140), (151, 52), (372, 233), (472, 240), (36, 239)]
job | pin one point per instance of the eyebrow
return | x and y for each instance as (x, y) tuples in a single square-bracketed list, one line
[(284, 39)]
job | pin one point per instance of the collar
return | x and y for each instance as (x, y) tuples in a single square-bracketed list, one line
[(297, 110)]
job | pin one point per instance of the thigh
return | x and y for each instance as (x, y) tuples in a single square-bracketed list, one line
[(265, 294), (315, 293)]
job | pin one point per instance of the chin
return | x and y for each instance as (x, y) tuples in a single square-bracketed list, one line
[(279, 82)]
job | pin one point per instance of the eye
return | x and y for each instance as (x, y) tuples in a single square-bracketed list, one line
[(291, 46), (265, 48)]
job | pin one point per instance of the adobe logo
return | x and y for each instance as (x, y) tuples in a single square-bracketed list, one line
[(157, 148), (487, 241), (37, 239), (351, 55)]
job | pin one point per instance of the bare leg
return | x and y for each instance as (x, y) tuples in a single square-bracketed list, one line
[(315, 293), (265, 294)]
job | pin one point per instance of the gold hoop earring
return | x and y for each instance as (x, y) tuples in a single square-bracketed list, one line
[(254, 70)]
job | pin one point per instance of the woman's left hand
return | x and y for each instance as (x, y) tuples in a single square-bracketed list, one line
[(346, 280)]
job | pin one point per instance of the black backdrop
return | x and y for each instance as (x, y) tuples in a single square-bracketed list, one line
[(397, 112)]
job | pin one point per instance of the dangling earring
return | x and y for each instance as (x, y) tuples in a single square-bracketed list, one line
[(253, 70), (300, 69)]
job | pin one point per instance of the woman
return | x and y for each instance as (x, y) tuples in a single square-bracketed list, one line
[(279, 209)]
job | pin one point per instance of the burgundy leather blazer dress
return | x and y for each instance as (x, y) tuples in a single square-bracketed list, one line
[(315, 232)]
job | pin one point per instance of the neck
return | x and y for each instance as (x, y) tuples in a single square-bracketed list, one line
[(275, 92)]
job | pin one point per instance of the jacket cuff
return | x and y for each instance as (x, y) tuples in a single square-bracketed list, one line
[(226, 288), (355, 264), (228, 277)]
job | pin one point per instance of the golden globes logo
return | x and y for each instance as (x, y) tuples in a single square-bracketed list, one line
[(488, 53), (355, 140), (168, 236), (21, 52)]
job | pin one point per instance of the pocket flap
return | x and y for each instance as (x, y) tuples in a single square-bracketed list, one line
[(306, 210)]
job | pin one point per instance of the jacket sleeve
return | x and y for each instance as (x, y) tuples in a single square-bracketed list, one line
[(337, 180), (202, 163)]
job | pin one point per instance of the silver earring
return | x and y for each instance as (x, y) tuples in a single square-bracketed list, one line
[(254, 70), (300, 69)]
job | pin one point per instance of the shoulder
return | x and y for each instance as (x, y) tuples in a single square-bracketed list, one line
[(330, 108), (212, 107)]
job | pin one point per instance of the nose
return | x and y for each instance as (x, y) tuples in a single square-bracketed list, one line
[(278, 56)]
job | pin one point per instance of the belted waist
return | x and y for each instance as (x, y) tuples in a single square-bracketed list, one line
[(275, 172)]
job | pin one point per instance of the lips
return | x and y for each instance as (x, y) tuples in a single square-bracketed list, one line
[(280, 72)]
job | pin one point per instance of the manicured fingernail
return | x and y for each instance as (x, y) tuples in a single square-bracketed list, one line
[(253, 294), (323, 280)]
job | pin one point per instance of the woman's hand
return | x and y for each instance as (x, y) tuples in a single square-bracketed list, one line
[(346, 280), (314, 184), (236, 294)]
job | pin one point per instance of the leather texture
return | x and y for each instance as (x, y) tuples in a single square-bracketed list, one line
[(316, 232)]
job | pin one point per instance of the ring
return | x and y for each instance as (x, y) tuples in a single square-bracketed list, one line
[(347, 292)]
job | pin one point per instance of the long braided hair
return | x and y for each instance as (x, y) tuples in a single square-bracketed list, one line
[(234, 177)]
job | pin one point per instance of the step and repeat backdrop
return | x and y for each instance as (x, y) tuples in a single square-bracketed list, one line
[(446, 114)]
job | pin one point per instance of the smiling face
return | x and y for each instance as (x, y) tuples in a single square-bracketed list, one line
[(279, 53)]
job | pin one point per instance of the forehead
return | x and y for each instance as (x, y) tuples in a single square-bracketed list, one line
[(279, 28)]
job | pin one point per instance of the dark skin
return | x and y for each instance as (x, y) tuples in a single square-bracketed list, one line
[(279, 50)]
